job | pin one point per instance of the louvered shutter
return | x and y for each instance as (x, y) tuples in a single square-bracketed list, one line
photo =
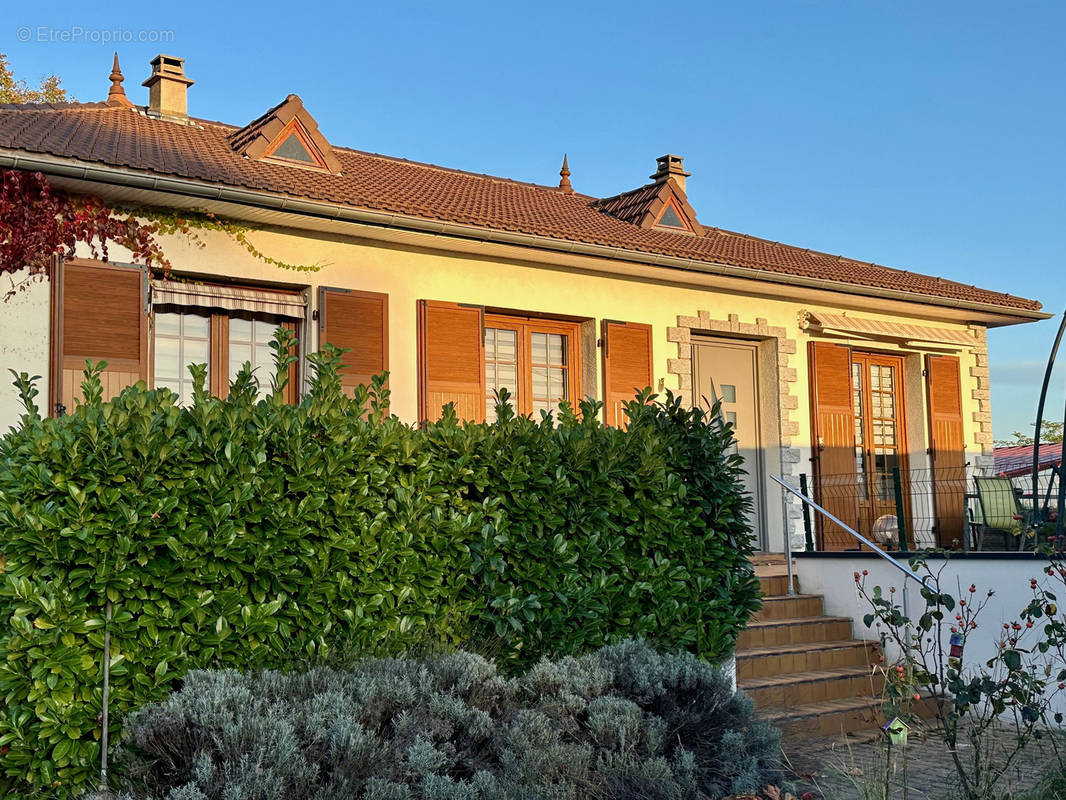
[(833, 418), (359, 323), (947, 447), (627, 365), (99, 313), (451, 360)]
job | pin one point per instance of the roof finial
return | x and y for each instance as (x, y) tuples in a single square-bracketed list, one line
[(564, 174), (116, 95)]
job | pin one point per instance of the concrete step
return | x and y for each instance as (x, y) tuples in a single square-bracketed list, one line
[(794, 631), (817, 686), (772, 569), (765, 662), (835, 717), (789, 607), (827, 718), (767, 558), (774, 585)]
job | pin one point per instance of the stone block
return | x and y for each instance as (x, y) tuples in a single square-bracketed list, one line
[(679, 335), (679, 366)]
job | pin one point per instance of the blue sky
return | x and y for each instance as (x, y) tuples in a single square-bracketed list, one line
[(926, 136)]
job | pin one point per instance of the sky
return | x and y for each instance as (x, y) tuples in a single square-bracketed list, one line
[(920, 135)]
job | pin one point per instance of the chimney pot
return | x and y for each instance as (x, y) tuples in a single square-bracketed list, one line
[(168, 88), (670, 167)]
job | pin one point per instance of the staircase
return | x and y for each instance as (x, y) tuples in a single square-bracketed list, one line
[(804, 670)]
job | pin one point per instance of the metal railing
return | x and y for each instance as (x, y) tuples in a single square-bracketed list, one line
[(904, 510), (810, 503)]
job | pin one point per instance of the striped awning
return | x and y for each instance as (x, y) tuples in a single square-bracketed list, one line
[(865, 328), (228, 298)]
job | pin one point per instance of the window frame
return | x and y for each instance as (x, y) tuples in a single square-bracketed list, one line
[(295, 128), (219, 351), (684, 226), (182, 339), (525, 327)]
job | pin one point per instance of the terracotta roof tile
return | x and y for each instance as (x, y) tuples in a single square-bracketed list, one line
[(98, 133), (1016, 460), (630, 206)]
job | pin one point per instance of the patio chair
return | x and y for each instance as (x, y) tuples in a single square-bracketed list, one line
[(1001, 518)]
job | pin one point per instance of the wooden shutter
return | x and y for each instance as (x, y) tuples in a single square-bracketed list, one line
[(359, 323), (99, 313), (833, 422), (627, 365), (451, 360), (947, 447)]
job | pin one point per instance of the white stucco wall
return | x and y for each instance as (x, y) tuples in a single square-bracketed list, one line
[(24, 331), (1008, 577)]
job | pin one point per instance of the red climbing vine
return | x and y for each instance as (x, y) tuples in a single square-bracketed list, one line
[(38, 222)]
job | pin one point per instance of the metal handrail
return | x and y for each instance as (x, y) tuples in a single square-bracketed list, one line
[(788, 549)]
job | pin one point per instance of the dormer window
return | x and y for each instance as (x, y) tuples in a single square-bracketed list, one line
[(294, 145), (288, 135), (671, 218), (292, 148), (660, 205)]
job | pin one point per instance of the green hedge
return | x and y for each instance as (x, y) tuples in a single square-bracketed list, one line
[(254, 534)]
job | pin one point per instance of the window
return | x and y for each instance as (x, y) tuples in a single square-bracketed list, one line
[(294, 145), (224, 340), (249, 342), (534, 359), (293, 149), (670, 219), (180, 340)]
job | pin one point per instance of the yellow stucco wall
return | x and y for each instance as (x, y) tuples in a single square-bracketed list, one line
[(409, 274)]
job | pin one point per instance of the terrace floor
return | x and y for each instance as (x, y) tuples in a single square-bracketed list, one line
[(854, 767)]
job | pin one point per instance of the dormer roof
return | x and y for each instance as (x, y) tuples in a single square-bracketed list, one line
[(654, 206), (286, 133)]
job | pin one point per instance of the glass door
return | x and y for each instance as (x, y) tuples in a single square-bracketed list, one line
[(876, 396)]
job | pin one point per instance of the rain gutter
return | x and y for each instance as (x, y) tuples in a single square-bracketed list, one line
[(332, 211)]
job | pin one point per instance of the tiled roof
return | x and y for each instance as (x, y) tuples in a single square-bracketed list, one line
[(121, 137), (630, 206), (1017, 460)]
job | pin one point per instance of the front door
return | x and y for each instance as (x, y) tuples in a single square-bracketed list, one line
[(727, 371)]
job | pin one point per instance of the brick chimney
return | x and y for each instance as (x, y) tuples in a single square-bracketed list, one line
[(167, 88), (670, 167)]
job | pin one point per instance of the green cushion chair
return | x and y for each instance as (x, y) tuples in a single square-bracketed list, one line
[(1001, 517)]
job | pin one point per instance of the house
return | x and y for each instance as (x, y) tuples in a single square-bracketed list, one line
[(459, 284), (1016, 462)]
